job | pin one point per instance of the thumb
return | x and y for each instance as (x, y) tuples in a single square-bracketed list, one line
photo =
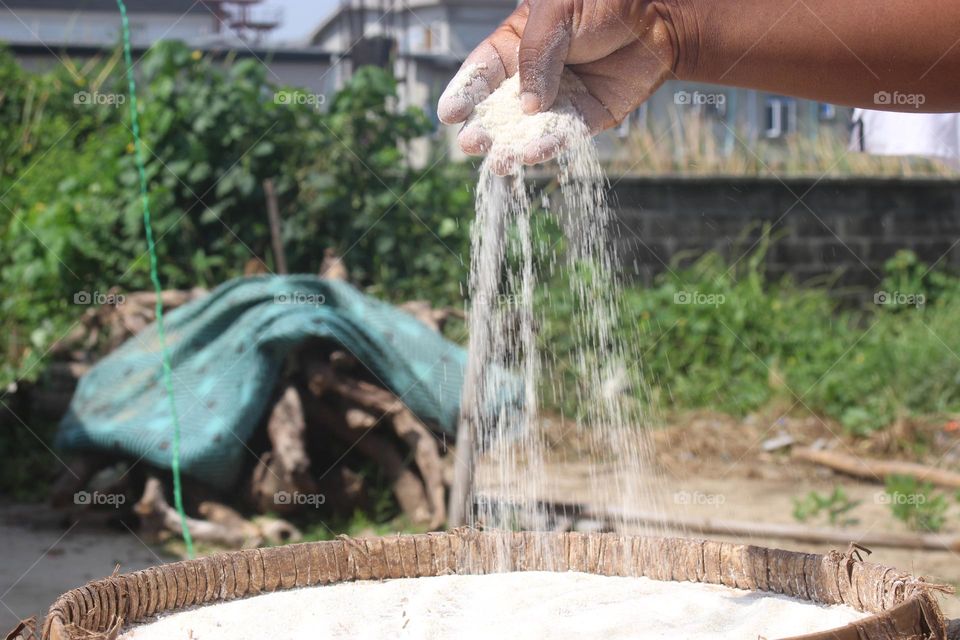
[(543, 52)]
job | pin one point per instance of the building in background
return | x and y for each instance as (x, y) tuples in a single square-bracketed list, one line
[(45, 33), (58, 23), (425, 41)]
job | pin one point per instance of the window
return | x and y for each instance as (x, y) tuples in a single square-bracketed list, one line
[(780, 117), (827, 111)]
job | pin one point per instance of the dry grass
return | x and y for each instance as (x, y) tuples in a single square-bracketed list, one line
[(695, 146)]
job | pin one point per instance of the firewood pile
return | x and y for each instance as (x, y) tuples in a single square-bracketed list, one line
[(335, 441)]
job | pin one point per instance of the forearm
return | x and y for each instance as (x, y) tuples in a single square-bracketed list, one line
[(841, 51)]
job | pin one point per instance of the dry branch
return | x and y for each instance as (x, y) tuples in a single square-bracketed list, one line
[(157, 516), (286, 429), (878, 470), (923, 541)]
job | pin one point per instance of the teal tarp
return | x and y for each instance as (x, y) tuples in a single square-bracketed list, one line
[(227, 351)]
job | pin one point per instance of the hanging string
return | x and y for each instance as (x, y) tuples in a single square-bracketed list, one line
[(155, 278)]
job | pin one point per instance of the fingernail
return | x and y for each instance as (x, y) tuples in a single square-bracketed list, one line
[(530, 103)]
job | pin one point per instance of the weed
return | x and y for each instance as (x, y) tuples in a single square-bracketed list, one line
[(916, 503), (835, 506)]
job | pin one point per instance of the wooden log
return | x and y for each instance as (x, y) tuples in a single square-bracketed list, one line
[(427, 456), (877, 470), (286, 429), (368, 405), (156, 516), (407, 486)]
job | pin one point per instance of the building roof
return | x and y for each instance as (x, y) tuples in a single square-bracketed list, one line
[(347, 6), (178, 7), (266, 54)]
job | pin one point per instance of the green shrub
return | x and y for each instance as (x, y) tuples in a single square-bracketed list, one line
[(70, 211), (746, 341)]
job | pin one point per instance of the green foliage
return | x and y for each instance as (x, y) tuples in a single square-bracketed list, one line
[(725, 337), (916, 503), (835, 506), (70, 213), (29, 468), (404, 230)]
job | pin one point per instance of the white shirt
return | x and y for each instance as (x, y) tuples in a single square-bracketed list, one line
[(888, 133)]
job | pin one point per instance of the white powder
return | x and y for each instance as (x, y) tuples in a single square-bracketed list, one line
[(515, 134), (515, 605)]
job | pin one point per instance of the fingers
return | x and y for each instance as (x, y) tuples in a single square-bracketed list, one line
[(489, 65), (481, 73), (543, 52), (474, 140)]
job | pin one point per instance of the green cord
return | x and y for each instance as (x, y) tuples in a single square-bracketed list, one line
[(155, 277)]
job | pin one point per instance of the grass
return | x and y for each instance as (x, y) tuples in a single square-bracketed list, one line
[(730, 339)]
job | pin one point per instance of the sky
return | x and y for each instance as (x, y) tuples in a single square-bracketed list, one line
[(300, 17)]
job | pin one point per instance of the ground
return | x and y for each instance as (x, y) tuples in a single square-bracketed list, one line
[(43, 557)]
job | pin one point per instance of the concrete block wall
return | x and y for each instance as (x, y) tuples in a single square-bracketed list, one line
[(830, 227)]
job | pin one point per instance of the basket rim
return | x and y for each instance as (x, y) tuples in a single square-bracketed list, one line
[(902, 606)]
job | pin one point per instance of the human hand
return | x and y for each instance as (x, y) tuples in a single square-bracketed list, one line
[(621, 50)]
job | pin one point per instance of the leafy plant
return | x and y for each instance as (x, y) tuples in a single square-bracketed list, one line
[(916, 503), (835, 506), (70, 212)]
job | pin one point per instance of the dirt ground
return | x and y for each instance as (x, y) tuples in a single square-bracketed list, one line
[(43, 557)]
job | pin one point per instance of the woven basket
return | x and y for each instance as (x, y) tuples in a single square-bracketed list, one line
[(903, 607)]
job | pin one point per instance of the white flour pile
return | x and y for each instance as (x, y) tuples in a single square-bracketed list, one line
[(516, 135), (518, 605)]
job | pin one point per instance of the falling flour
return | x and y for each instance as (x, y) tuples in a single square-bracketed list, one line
[(560, 606), (510, 263)]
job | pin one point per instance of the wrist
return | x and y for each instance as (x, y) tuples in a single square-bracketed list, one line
[(684, 23)]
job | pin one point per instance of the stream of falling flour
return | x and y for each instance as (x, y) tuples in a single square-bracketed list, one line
[(507, 367)]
